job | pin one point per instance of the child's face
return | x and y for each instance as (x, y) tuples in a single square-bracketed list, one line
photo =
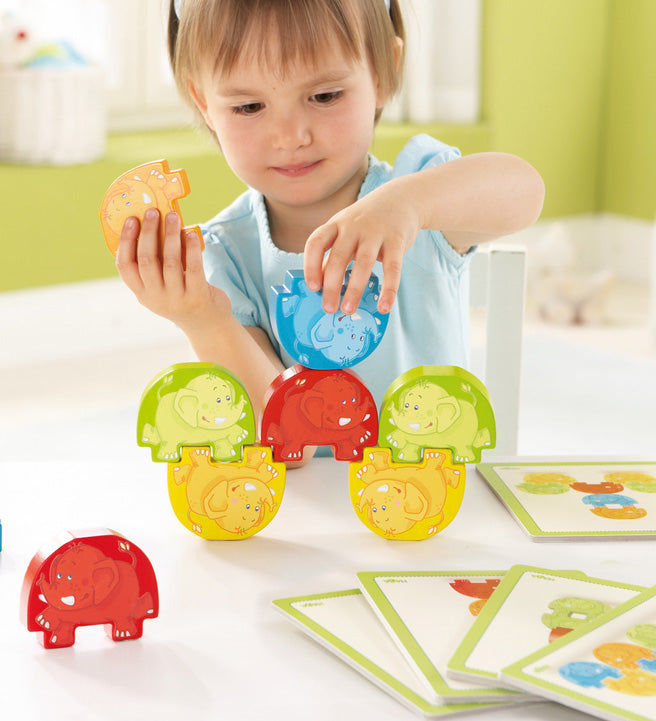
[(300, 138)]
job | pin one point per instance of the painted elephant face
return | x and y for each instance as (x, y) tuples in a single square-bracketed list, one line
[(393, 506), (425, 408), (239, 505), (334, 403), (344, 338), (80, 577), (208, 401)]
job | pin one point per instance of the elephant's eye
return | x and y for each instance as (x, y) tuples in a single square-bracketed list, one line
[(416, 408), (69, 577), (59, 575), (228, 399), (384, 508), (218, 400), (374, 509), (248, 505), (257, 508), (407, 405)]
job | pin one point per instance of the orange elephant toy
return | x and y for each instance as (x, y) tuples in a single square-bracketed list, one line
[(151, 185)]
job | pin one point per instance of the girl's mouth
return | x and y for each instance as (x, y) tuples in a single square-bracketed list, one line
[(297, 170)]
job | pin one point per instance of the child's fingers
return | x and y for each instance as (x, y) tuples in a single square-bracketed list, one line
[(333, 275), (126, 255), (194, 271), (360, 274), (390, 283), (315, 249), (172, 271), (150, 267)]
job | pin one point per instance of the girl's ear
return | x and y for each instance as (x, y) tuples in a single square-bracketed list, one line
[(198, 98), (398, 51)]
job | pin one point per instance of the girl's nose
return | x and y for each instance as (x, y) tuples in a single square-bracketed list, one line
[(292, 132)]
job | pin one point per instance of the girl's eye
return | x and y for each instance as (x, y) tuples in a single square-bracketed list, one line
[(248, 109), (326, 98)]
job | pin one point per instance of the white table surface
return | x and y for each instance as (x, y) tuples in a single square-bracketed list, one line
[(218, 648)]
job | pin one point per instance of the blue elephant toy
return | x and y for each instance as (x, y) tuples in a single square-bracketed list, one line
[(321, 340)]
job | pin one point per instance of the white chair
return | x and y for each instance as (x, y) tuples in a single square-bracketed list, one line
[(498, 284)]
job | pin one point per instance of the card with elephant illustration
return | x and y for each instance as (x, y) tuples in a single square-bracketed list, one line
[(530, 608), (344, 624), (407, 602), (580, 500), (606, 668)]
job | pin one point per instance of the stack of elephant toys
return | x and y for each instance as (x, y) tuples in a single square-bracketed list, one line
[(407, 473), (433, 419), (198, 419), (88, 578)]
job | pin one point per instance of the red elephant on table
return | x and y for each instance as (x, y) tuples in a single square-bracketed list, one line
[(318, 407), (91, 580)]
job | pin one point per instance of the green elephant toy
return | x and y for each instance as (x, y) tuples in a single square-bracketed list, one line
[(195, 404), (437, 407)]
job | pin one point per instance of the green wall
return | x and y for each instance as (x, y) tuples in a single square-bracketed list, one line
[(543, 85), (629, 142), (567, 84)]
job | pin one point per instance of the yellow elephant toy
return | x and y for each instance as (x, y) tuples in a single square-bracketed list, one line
[(403, 501)]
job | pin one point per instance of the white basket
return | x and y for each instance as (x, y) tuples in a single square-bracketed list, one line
[(52, 116)]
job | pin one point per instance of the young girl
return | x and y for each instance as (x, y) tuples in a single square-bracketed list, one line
[(292, 92)]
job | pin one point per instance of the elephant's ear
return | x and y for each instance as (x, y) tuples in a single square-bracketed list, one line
[(185, 405), (416, 503), (312, 405), (104, 575), (448, 411), (215, 503), (323, 330)]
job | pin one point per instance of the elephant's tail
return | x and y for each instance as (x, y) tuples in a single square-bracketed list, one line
[(482, 438), (144, 606), (274, 434), (150, 434)]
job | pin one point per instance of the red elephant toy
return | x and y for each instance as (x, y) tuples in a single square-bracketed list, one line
[(318, 407), (93, 578)]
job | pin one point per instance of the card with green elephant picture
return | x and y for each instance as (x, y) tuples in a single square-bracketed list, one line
[(577, 500)]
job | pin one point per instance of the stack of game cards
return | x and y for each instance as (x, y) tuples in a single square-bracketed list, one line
[(449, 642)]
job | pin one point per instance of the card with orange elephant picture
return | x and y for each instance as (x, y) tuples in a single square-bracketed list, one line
[(607, 668), (407, 603), (579, 500)]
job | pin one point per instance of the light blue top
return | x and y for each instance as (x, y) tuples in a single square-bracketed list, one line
[(429, 322)]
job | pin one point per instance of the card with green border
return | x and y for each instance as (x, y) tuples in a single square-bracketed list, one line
[(427, 614), (344, 624), (606, 668), (531, 607), (580, 500)]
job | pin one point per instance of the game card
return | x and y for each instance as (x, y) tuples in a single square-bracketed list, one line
[(607, 668), (577, 500), (428, 614), (344, 624), (530, 608)]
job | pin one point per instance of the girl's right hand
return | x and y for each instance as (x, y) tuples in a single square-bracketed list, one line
[(171, 283)]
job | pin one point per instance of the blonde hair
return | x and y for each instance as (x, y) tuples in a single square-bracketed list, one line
[(220, 31)]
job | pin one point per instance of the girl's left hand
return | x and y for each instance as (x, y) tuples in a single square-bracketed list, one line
[(380, 226)]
